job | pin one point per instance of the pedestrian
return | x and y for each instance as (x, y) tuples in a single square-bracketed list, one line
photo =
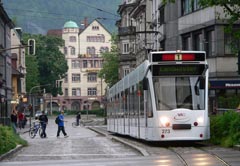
[(20, 120), (61, 125), (43, 122), (14, 120), (78, 117)]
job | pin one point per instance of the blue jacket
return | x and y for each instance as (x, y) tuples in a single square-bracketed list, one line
[(61, 122)]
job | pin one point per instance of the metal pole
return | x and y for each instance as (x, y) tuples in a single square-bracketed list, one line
[(30, 93)]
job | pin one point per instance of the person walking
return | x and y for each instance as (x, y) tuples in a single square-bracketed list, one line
[(20, 120), (43, 122), (78, 117), (14, 120), (61, 125)]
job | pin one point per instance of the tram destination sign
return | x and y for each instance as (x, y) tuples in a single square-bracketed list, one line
[(162, 70)]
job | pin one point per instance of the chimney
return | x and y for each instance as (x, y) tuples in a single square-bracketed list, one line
[(85, 22)]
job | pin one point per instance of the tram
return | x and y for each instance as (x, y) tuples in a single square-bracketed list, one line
[(163, 99)]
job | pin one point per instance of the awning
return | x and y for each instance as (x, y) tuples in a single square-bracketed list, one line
[(224, 84)]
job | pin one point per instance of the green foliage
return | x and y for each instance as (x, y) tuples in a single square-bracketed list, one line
[(48, 65), (225, 129), (230, 102), (8, 139), (32, 77), (109, 72)]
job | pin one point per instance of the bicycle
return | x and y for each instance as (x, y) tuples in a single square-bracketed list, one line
[(35, 129), (74, 124)]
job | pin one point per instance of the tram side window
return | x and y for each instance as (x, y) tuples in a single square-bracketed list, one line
[(122, 104), (141, 96), (135, 101), (149, 101), (131, 101), (126, 102)]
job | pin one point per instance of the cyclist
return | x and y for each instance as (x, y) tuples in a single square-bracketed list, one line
[(43, 121)]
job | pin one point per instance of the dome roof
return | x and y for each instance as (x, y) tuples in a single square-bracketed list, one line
[(70, 24)]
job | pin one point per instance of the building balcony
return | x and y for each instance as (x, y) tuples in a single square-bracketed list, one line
[(126, 30)]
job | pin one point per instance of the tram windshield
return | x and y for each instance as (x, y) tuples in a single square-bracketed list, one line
[(179, 92)]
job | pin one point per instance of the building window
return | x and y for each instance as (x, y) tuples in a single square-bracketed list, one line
[(76, 92), (66, 79), (98, 38), (210, 44), (75, 64), (95, 28), (92, 77), (230, 44), (126, 71), (72, 39), (125, 48), (104, 49), (91, 50), (65, 50), (186, 42), (197, 45), (76, 78), (66, 91), (92, 91), (161, 15), (85, 64), (189, 6), (72, 50)]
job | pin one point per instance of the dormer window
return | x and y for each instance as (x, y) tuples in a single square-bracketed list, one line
[(95, 28)]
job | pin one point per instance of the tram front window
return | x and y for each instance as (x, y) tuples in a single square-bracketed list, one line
[(178, 92)]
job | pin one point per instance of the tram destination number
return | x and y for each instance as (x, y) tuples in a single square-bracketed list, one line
[(165, 131)]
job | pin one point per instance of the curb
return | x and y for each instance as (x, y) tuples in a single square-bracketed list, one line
[(142, 151), (9, 153)]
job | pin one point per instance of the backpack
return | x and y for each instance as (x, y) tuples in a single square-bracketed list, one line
[(57, 120)]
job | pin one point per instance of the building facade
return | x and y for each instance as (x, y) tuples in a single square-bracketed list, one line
[(184, 25), (82, 88), (5, 66), (18, 68)]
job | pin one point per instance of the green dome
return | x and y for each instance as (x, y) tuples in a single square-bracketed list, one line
[(70, 24)]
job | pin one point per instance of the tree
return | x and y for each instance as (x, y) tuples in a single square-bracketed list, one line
[(51, 63), (109, 72), (32, 77)]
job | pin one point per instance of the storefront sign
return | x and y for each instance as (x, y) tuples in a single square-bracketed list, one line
[(224, 84)]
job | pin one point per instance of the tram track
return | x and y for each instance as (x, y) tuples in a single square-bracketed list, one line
[(185, 154)]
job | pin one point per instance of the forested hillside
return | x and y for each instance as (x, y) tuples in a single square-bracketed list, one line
[(38, 16)]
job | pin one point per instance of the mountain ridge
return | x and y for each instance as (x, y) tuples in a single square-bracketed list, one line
[(39, 16)]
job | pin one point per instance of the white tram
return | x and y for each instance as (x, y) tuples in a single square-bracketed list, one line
[(163, 99)]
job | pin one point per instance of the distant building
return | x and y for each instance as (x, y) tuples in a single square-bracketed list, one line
[(82, 88)]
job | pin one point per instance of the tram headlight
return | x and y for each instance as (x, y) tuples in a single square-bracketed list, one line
[(165, 121), (200, 120)]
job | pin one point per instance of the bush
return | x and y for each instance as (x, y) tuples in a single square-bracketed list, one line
[(225, 129), (9, 140)]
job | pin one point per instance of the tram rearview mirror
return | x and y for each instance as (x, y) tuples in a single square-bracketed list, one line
[(202, 83), (145, 84)]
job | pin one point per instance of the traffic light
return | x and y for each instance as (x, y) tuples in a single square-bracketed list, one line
[(31, 46)]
